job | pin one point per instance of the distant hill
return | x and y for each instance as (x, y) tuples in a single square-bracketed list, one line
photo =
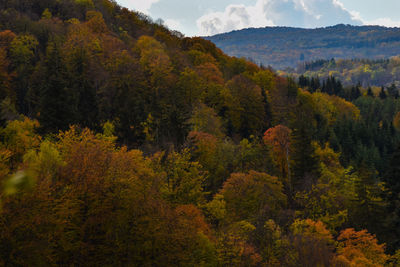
[(282, 47)]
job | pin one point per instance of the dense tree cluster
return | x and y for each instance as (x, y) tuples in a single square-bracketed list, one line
[(367, 72), (123, 143)]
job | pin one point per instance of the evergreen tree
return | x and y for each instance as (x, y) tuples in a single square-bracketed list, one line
[(355, 92), (56, 105), (369, 92), (304, 81), (304, 161), (392, 182), (392, 91), (382, 94), (84, 92), (338, 88), (315, 84)]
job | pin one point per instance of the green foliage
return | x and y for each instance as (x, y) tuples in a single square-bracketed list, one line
[(249, 196), (23, 49), (45, 162), (17, 138), (329, 200), (184, 179), (46, 14), (204, 119)]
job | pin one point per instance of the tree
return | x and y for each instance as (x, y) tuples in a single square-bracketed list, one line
[(367, 206), (217, 156), (369, 92), (82, 89), (266, 80), (252, 196), (279, 138), (392, 182), (18, 137), (382, 94), (282, 97), (205, 119), (5, 77), (393, 91), (329, 200), (360, 249), (245, 107), (22, 54), (183, 180), (304, 161), (234, 247), (313, 243), (154, 59), (355, 92), (396, 121), (57, 104)]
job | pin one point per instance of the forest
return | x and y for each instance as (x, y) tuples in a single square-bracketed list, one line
[(125, 143), (286, 47), (383, 72)]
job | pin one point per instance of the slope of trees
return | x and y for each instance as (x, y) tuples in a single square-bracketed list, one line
[(383, 72), (123, 143), (286, 47)]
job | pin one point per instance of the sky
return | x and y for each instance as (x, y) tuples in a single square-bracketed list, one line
[(209, 17)]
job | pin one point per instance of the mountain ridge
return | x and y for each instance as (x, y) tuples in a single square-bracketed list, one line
[(282, 47)]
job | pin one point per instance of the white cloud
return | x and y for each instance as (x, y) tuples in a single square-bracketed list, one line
[(138, 5), (173, 24), (298, 13), (388, 22)]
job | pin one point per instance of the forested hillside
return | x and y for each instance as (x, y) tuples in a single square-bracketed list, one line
[(123, 143), (282, 47), (384, 72)]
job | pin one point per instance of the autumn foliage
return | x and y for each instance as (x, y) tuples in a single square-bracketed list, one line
[(124, 143)]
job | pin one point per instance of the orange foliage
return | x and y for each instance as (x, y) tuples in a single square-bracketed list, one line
[(6, 37), (279, 138), (5, 77), (192, 217), (396, 121), (360, 249), (210, 73), (315, 229)]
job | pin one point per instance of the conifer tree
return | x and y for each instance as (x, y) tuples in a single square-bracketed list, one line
[(304, 161), (56, 105), (382, 94), (392, 182), (369, 92)]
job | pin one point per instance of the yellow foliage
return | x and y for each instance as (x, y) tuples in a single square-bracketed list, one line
[(153, 55), (19, 136), (334, 108), (247, 195), (316, 230), (95, 22)]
